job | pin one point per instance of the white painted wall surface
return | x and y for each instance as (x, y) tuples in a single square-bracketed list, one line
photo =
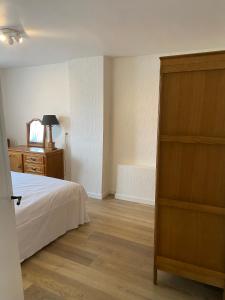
[(135, 115), (86, 91), (135, 183), (32, 92), (112, 104), (75, 92)]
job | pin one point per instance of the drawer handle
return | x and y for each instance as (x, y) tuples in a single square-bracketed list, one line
[(33, 159), (34, 169)]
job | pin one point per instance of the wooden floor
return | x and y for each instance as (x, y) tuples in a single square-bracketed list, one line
[(110, 258)]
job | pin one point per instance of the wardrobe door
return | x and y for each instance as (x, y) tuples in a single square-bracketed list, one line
[(190, 200)]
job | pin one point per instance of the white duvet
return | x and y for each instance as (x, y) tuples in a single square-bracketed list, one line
[(49, 208)]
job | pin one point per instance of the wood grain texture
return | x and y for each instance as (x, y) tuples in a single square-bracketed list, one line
[(193, 139), (109, 259), (39, 161), (193, 62), (16, 162), (193, 104), (190, 196), (192, 172)]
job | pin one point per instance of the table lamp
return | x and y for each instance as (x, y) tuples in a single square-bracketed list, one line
[(50, 120)]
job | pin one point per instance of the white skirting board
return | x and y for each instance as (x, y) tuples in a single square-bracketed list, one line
[(134, 199), (136, 183), (97, 196)]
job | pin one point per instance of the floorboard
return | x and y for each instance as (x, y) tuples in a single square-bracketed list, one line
[(110, 258)]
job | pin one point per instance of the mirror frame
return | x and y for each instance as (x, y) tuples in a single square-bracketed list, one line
[(33, 144)]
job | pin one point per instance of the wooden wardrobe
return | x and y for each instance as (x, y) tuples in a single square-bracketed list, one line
[(190, 192)]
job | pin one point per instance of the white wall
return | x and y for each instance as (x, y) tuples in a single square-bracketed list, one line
[(135, 112), (87, 97), (32, 92), (75, 91), (136, 183), (111, 104)]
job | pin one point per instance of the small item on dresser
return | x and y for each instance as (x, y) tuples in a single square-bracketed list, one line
[(50, 120)]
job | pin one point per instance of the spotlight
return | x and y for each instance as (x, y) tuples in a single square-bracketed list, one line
[(11, 35), (3, 38), (10, 40), (19, 38)]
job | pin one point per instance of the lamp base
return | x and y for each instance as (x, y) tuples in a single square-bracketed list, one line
[(50, 146)]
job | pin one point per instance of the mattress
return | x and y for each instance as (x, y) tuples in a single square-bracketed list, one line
[(50, 207)]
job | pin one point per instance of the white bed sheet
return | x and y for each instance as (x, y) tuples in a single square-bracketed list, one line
[(49, 208)]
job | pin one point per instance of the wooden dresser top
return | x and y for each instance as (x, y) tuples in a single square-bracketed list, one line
[(33, 150)]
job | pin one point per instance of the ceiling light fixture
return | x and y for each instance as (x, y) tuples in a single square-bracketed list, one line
[(2, 37), (10, 35)]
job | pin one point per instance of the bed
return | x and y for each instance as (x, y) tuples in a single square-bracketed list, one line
[(50, 207)]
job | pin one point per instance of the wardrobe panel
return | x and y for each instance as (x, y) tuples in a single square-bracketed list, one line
[(192, 237), (192, 172), (193, 103)]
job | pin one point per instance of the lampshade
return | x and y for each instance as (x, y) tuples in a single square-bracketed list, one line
[(49, 120)]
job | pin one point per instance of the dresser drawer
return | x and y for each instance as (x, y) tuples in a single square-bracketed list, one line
[(34, 159), (35, 169), (16, 161)]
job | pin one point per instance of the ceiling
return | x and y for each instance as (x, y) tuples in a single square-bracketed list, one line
[(60, 30)]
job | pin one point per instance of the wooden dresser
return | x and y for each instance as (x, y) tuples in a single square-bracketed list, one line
[(38, 161)]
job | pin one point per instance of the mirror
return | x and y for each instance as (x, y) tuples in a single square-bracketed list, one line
[(35, 133)]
